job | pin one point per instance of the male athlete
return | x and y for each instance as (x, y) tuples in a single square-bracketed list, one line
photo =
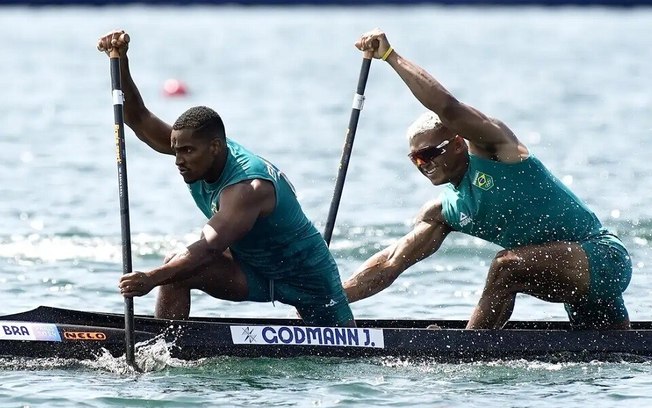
[(258, 244), (555, 248)]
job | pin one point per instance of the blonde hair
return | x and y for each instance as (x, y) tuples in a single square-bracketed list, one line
[(426, 122)]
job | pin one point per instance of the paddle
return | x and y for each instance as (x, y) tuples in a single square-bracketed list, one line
[(358, 101), (119, 132)]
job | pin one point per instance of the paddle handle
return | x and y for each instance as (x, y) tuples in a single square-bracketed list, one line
[(115, 53), (358, 102), (121, 158)]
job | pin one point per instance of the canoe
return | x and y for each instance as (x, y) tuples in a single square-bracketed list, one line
[(65, 333)]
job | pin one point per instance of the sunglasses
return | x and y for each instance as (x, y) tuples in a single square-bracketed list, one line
[(430, 153)]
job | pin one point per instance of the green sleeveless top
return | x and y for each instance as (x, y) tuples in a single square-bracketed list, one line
[(517, 204), (280, 244)]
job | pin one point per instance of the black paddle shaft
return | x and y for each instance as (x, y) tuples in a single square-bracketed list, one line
[(119, 132), (358, 101)]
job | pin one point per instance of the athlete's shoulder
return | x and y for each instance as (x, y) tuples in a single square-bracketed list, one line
[(431, 212)]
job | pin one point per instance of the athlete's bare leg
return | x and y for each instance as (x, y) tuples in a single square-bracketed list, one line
[(223, 280), (555, 272)]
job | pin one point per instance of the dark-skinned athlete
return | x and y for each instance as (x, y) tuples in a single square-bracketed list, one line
[(257, 245)]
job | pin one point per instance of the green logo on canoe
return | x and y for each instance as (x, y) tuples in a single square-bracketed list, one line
[(483, 180)]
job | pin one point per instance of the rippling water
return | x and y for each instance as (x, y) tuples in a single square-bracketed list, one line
[(572, 83)]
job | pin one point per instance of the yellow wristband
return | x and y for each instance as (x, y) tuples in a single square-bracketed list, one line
[(386, 54)]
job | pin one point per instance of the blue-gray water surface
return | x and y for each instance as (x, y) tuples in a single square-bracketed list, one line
[(574, 84)]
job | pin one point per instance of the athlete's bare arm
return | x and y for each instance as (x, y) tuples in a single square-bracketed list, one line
[(147, 126), (240, 206), (382, 269), (488, 137)]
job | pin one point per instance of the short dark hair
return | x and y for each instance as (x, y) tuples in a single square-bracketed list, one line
[(204, 122)]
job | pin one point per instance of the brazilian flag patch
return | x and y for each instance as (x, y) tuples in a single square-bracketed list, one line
[(483, 180)]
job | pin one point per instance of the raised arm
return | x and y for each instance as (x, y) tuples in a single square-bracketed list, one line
[(488, 137), (147, 126), (382, 269)]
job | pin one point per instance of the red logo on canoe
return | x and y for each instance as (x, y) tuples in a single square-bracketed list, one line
[(84, 335)]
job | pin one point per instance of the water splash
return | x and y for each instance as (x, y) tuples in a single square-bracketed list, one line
[(153, 355)]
